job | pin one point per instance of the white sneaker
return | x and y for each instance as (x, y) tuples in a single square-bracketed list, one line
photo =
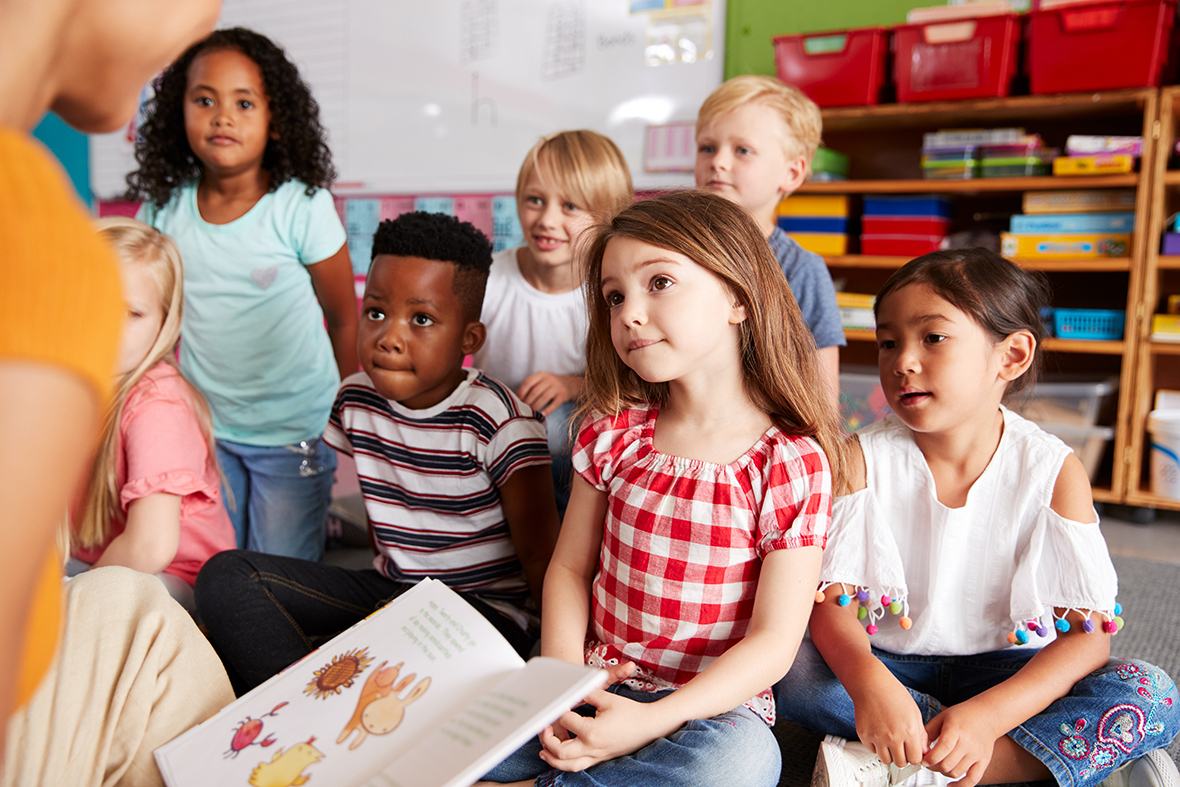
[(845, 763), (1154, 769)]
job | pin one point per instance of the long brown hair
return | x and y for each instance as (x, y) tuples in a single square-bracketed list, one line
[(136, 243), (780, 369)]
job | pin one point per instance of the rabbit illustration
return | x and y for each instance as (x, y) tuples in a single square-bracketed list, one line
[(379, 710)]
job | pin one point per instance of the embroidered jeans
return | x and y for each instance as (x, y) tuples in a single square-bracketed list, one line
[(733, 748), (1115, 714)]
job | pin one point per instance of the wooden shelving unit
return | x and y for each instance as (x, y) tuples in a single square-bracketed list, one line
[(884, 143), (972, 186), (1157, 364), (1073, 266)]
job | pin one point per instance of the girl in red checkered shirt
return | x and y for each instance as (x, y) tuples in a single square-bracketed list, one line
[(687, 562)]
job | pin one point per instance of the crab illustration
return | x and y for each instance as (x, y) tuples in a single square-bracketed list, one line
[(247, 732)]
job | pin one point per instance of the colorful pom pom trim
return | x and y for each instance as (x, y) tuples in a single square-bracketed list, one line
[(870, 609), (1110, 621)]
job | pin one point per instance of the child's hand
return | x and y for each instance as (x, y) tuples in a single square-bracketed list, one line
[(963, 743), (620, 726), (544, 391), (889, 724), (616, 672)]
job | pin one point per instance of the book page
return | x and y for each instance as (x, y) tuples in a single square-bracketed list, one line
[(493, 726), (351, 707)]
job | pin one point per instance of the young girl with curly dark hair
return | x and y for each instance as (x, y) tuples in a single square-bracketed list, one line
[(233, 165)]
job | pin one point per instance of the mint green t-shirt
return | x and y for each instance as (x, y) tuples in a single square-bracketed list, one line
[(253, 339)]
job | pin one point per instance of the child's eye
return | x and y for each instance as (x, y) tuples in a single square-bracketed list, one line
[(744, 150), (376, 315), (571, 207), (706, 149), (935, 338), (133, 314), (246, 104), (613, 299), (203, 101), (422, 320), (661, 283), (886, 344), (535, 201)]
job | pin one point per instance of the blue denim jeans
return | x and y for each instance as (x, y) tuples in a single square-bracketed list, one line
[(561, 450), (280, 495), (1115, 714), (734, 748)]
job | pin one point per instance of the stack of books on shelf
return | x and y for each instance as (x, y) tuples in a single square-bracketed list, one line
[(1096, 155), (817, 223), (1071, 224), (1166, 327), (856, 311)]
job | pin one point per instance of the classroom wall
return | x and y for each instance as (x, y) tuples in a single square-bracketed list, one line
[(750, 24)]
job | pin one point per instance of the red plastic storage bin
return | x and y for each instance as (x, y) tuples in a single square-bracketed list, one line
[(1102, 46), (839, 68), (904, 225), (899, 245), (965, 58)]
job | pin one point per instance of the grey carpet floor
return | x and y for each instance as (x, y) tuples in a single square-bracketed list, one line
[(1150, 595)]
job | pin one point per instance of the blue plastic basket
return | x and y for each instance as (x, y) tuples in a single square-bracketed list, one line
[(1100, 324)]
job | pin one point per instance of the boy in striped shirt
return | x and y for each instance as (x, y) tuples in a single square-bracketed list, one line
[(454, 469)]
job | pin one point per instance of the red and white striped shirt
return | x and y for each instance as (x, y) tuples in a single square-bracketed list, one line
[(683, 543), (431, 479)]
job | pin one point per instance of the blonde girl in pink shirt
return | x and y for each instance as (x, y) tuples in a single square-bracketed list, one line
[(153, 499)]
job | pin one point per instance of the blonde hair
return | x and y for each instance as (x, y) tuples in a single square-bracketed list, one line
[(801, 127), (781, 373), (136, 243), (585, 166)]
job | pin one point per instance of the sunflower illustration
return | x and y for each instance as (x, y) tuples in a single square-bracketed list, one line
[(338, 675)]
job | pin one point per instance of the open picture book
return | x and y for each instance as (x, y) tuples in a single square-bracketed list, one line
[(422, 693)]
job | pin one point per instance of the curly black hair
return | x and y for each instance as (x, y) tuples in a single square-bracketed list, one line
[(166, 162), (437, 236)]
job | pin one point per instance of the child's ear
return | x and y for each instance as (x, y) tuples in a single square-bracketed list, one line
[(794, 175), (1016, 355), (738, 312), (474, 334)]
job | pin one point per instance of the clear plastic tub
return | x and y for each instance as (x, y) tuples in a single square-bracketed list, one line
[(1076, 401)]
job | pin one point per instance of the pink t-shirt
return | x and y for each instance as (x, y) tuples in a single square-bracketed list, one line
[(162, 449)]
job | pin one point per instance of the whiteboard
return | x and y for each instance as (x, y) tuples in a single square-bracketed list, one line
[(447, 96)]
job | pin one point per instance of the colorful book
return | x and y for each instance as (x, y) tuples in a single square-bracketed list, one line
[(1079, 201), (1072, 222), (422, 693), (1064, 246)]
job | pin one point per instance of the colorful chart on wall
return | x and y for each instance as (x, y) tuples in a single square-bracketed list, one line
[(447, 97)]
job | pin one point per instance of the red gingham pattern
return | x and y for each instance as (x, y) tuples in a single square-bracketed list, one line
[(683, 540)]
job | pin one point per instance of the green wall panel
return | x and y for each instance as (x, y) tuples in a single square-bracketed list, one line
[(750, 24)]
